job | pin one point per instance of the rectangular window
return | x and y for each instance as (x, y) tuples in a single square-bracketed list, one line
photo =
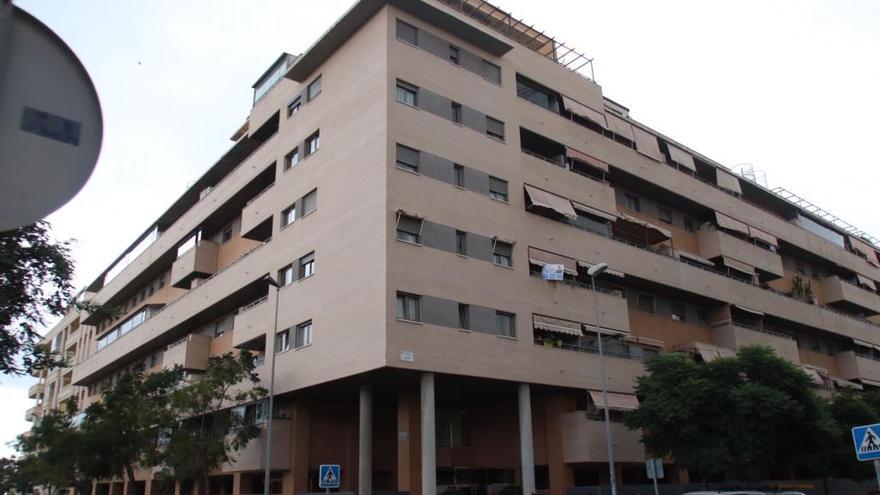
[(310, 202), (677, 311), (452, 429), (491, 72), (407, 158), (461, 242), (407, 93), (505, 324), (498, 188), (459, 175), (154, 360), (288, 216), (294, 106), (689, 224), (409, 229), (224, 238), (494, 128), (313, 143), (307, 265), (503, 254), (646, 303), (409, 307), (282, 341), (292, 159), (303, 335), (664, 214), (314, 89), (220, 327), (633, 202), (407, 33), (464, 316), (456, 112), (454, 55), (286, 275)]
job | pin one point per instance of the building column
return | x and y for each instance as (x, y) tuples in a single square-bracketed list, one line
[(296, 478), (526, 447), (236, 483), (429, 440), (365, 441), (148, 486), (408, 443), (561, 475), (177, 489), (94, 488)]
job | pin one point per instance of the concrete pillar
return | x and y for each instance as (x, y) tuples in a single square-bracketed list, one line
[(429, 439), (125, 487), (365, 442), (94, 488), (296, 479), (148, 486), (408, 443), (177, 489), (526, 446), (236, 484)]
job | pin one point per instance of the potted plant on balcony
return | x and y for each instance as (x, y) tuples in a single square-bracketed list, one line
[(802, 289)]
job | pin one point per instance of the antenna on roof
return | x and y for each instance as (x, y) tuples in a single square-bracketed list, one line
[(750, 172)]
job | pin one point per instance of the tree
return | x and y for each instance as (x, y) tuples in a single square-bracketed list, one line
[(848, 409), (742, 418), (206, 433), (13, 476)]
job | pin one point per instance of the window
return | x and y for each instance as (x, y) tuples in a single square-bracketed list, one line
[(678, 312), (491, 72), (307, 265), (407, 93), (409, 229), (494, 128), (224, 238), (536, 93), (689, 224), (154, 360), (292, 159), (310, 202), (407, 158), (632, 202), (497, 188), (409, 307), (454, 55), (664, 214), (286, 275), (314, 89), (288, 216), (459, 175), (452, 429), (456, 112), (220, 326), (646, 303), (282, 341), (407, 33), (294, 106), (303, 335), (504, 324), (464, 316), (461, 242), (503, 254), (313, 143)]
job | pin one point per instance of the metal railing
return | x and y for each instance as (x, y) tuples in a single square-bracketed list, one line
[(253, 304), (588, 350), (764, 330), (259, 194)]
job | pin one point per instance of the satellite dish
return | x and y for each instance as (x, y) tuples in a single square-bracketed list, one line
[(50, 120)]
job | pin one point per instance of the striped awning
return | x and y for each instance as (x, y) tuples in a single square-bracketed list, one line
[(557, 325), (616, 401)]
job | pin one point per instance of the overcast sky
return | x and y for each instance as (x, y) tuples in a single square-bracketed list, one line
[(789, 86)]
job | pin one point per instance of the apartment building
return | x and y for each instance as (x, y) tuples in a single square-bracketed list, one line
[(406, 180)]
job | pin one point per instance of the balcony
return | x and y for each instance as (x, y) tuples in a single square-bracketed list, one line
[(200, 261), (254, 215), (36, 390), (715, 244), (252, 322), (854, 366), (583, 440), (736, 335), (32, 413), (846, 295), (253, 456), (191, 353)]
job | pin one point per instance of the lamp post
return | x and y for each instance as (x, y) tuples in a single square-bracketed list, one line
[(268, 457), (594, 272)]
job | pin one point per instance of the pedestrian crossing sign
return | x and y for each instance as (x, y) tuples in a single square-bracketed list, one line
[(328, 476), (867, 442)]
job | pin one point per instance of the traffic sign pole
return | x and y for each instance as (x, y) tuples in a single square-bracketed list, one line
[(877, 471)]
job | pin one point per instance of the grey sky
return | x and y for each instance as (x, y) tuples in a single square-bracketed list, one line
[(790, 86)]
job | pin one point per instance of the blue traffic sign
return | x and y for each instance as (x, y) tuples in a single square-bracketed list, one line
[(867, 442), (328, 476)]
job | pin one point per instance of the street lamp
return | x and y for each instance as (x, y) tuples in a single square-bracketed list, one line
[(266, 479), (594, 272)]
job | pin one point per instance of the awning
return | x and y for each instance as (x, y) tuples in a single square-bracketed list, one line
[(616, 401), (738, 266), (549, 200), (814, 375), (763, 236), (873, 383), (864, 248), (725, 222), (638, 228), (609, 271), (866, 345), (840, 382), (681, 157), (727, 181), (589, 160), (645, 341), (619, 126), (594, 211), (694, 257), (865, 281), (541, 258), (646, 144), (584, 111), (748, 310), (707, 352), (556, 325), (410, 214)]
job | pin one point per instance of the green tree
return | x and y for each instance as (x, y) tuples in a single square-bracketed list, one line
[(742, 418), (848, 409), (206, 434), (13, 476)]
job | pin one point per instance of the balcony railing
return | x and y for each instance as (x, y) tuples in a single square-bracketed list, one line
[(590, 350)]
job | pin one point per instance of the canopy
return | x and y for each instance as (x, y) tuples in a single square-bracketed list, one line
[(584, 111), (556, 325), (589, 160), (640, 229), (551, 201), (616, 401)]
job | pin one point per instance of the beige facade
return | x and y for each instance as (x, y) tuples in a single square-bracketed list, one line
[(409, 231)]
